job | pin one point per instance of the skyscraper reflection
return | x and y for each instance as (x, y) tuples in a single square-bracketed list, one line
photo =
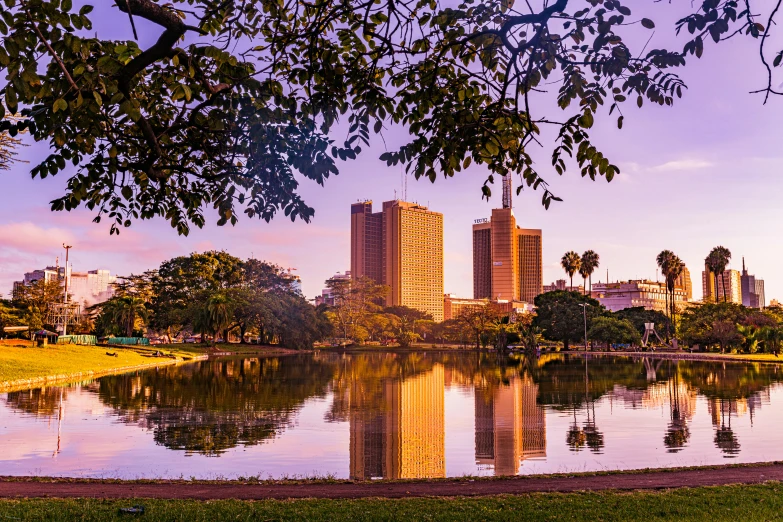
[(510, 426), (403, 434)]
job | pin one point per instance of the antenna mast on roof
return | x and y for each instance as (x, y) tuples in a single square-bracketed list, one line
[(507, 187)]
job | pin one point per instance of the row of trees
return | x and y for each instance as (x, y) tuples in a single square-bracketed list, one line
[(359, 314), (731, 326), (216, 295)]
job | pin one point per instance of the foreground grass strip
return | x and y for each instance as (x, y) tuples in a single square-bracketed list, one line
[(729, 503)]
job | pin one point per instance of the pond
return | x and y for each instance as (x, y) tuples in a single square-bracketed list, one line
[(395, 415)]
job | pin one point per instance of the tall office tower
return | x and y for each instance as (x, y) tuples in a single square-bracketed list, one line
[(729, 282), (684, 282), (402, 247), (399, 430), (482, 260), (366, 242), (507, 259), (509, 425), (752, 289)]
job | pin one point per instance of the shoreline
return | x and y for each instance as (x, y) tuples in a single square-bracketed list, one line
[(622, 480), (53, 380), (686, 356), (681, 355), (182, 357)]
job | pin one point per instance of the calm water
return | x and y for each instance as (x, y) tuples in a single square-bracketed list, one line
[(395, 416)]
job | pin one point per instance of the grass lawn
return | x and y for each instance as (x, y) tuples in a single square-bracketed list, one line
[(729, 503), (62, 359)]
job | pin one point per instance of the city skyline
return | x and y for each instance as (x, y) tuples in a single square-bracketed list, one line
[(686, 171)]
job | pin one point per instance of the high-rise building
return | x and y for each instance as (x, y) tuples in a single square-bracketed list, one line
[(509, 426), (405, 437), (401, 247), (752, 289), (507, 259), (729, 282), (684, 282)]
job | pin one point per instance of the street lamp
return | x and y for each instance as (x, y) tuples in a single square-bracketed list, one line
[(584, 313), (65, 308)]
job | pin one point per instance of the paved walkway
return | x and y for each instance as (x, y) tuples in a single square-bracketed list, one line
[(437, 488)]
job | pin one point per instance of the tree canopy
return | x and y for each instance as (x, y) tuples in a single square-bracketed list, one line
[(561, 317), (237, 102)]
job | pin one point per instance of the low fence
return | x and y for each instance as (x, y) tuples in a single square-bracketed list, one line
[(89, 340), (129, 341)]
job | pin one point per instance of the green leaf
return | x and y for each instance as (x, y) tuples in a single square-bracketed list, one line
[(620, 122), (60, 105), (647, 23)]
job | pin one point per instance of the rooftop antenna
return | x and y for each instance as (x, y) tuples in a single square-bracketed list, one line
[(507, 187)]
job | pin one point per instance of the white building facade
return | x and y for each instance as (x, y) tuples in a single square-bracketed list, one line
[(629, 294)]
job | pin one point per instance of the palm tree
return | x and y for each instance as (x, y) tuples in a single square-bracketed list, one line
[(676, 266), (772, 336), (590, 261), (717, 261), (664, 261), (215, 316), (571, 263), (124, 311)]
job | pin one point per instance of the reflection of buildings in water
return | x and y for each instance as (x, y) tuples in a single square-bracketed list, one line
[(510, 426), (677, 394), (405, 437), (721, 409)]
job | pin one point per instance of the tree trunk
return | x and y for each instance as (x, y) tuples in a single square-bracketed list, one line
[(723, 283)]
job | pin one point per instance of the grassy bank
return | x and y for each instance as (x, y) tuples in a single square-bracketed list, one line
[(22, 361), (730, 503)]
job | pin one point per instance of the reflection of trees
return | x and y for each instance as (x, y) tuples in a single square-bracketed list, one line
[(730, 381), (725, 439), (566, 383), (44, 402), (677, 433), (211, 406), (576, 437)]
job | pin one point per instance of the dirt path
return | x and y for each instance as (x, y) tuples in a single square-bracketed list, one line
[(10, 488)]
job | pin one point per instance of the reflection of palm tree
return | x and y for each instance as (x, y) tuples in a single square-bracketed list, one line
[(576, 437), (677, 434), (725, 439), (595, 439)]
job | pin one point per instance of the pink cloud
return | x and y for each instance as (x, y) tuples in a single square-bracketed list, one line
[(31, 238)]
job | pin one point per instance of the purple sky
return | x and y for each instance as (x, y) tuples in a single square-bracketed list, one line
[(702, 173)]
